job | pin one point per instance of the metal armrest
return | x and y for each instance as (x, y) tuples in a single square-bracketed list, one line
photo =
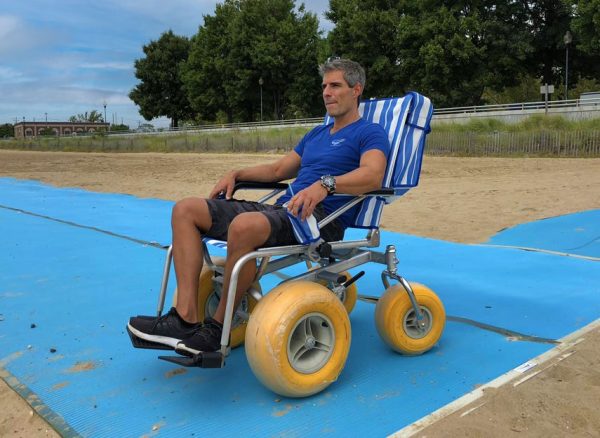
[(278, 187), (351, 203)]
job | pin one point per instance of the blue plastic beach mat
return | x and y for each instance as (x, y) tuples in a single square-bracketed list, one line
[(75, 265)]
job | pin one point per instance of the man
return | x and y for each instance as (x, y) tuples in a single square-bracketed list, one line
[(347, 156)]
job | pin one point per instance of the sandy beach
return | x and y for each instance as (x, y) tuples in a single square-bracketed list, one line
[(465, 200)]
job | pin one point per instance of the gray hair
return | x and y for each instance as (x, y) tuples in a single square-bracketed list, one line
[(353, 71)]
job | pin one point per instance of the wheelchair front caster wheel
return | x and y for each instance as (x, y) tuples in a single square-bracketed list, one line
[(397, 323), (209, 294), (298, 339)]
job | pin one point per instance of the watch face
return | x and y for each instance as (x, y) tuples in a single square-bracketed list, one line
[(329, 182)]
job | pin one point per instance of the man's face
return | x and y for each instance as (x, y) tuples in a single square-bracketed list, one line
[(338, 96)]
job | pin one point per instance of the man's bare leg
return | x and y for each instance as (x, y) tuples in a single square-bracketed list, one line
[(246, 232), (190, 218)]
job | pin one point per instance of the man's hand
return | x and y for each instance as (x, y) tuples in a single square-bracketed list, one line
[(306, 200), (224, 186)]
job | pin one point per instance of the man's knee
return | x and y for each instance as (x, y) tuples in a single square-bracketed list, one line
[(248, 231), (194, 210)]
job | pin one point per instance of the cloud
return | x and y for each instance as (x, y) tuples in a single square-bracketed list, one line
[(8, 24), (108, 65), (59, 94), (8, 74), (16, 37), (70, 56), (34, 99), (180, 15)]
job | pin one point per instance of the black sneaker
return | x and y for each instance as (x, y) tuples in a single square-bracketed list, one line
[(206, 338), (168, 330)]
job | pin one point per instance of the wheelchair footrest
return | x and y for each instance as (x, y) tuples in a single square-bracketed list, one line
[(202, 360), (148, 345)]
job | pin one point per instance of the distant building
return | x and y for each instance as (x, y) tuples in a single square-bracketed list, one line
[(33, 129)]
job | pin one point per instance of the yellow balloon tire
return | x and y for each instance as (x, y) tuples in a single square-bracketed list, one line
[(351, 294), (394, 316), (269, 335), (206, 293)]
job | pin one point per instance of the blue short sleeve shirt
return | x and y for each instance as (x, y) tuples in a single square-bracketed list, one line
[(323, 153)]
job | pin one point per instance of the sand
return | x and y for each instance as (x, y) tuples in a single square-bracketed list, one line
[(459, 199)]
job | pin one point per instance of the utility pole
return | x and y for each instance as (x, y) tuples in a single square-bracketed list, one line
[(568, 39), (260, 83)]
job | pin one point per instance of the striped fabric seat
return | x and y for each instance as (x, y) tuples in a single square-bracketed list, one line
[(406, 120)]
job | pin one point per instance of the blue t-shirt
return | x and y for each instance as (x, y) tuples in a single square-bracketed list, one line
[(323, 153)]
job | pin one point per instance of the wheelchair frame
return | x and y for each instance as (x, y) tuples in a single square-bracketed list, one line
[(334, 257)]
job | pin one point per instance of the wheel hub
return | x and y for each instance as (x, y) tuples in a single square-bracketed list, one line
[(416, 328), (310, 343)]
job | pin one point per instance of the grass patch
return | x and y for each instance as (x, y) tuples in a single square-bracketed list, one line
[(538, 135), (535, 122), (241, 140)]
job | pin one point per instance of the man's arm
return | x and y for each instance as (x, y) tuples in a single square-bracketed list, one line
[(285, 168), (367, 177)]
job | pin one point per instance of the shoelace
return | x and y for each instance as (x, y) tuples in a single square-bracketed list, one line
[(208, 331), (161, 318)]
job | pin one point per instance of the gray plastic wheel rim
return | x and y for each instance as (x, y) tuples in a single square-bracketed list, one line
[(213, 302), (417, 329), (311, 342)]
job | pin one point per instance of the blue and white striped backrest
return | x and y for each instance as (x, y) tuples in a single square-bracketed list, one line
[(406, 121)]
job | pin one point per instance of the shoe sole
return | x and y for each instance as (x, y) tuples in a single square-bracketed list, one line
[(186, 351), (164, 340)]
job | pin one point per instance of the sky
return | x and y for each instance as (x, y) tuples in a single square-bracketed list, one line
[(65, 57)]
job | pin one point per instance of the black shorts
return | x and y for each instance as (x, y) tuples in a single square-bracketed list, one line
[(224, 211)]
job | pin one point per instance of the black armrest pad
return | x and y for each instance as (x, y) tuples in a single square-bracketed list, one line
[(259, 185), (381, 192)]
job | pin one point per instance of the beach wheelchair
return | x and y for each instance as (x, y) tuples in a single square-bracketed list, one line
[(297, 336)]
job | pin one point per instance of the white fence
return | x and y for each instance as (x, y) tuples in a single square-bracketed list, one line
[(576, 109), (540, 143)]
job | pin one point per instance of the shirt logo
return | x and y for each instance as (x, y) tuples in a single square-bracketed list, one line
[(337, 142)]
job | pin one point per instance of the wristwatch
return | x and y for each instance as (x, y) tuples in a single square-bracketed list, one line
[(328, 182)]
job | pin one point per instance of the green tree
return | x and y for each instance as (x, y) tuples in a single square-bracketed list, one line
[(448, 50), (210, 66), (584, 64), (584, 85), (7, 130), (48, 132), (526, 90), (161, 91), (586, 25), (118, 128), (248, 40), (91, 117), (548, 21), (366, 31)]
